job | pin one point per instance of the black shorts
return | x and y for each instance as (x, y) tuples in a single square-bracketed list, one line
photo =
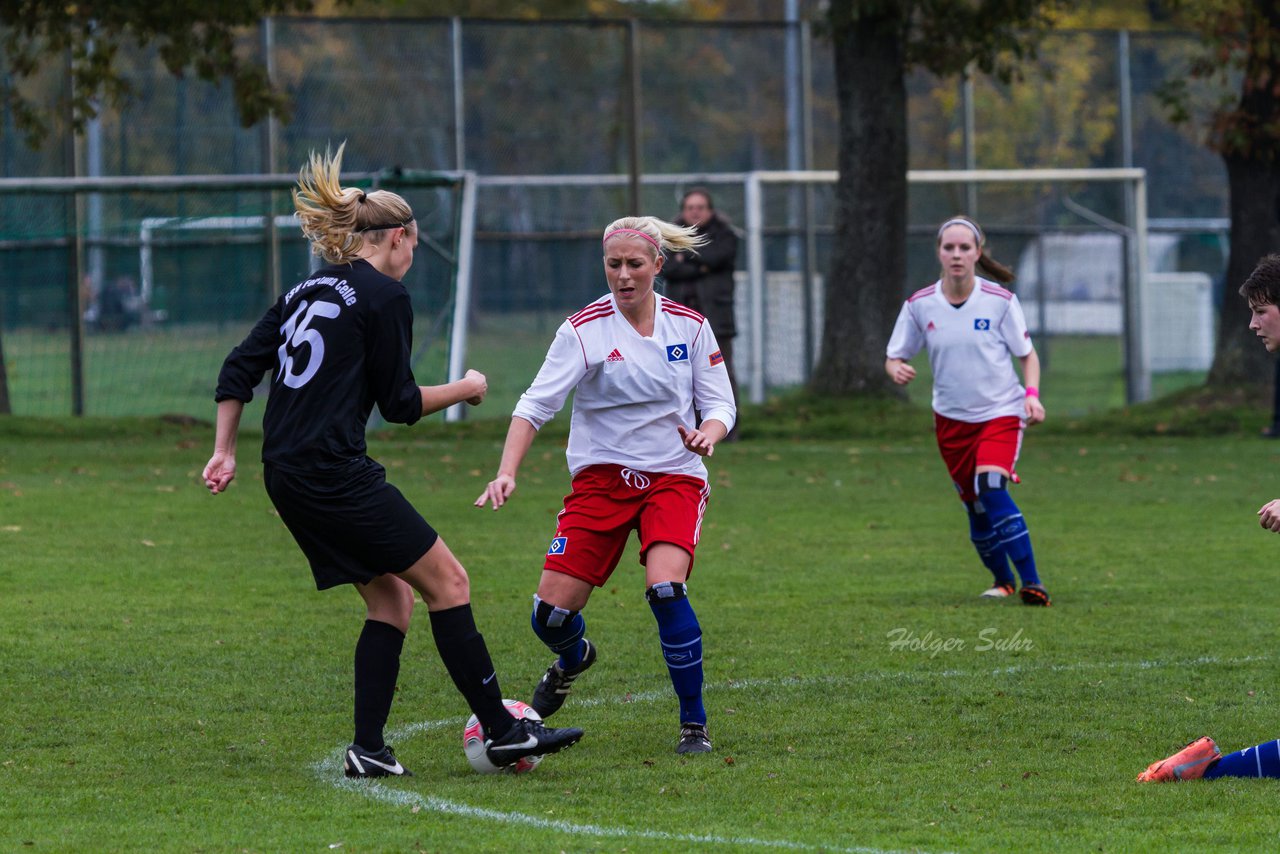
[(352, 527)]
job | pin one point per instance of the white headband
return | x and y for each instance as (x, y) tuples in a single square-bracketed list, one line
[(977, 232)]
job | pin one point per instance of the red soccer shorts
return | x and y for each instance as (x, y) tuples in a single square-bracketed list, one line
[(966, 446), (608, 502)]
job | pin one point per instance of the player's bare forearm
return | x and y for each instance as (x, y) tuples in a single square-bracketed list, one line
[(714, 429), (1030, 369), (470, 389), (520, 436), (221, 468), (227, 432), (1033, 409)]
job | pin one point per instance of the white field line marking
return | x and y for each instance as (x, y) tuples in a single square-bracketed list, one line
[(329, 769), (332, 771)]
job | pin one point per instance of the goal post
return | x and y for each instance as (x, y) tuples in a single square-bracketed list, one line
[(1131, 227), (466, 231), (481, 233), (133, 288)]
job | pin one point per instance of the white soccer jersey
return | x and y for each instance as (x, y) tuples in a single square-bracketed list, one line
[(631, 392), (969, 348)]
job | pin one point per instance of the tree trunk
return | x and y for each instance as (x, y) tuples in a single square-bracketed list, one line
[(864, 289), (1239, 358), (1247, 137)]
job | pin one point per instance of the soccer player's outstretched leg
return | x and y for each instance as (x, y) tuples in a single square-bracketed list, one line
[(973, 330), (1200, 759), (641, 368)]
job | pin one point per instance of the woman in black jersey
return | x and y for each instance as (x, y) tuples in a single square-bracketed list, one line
[(336, 344)]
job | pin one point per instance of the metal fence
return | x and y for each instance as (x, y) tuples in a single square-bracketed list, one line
[(509, 100), (536, 98)]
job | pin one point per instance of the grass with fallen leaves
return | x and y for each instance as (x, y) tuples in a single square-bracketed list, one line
[(172, 681)]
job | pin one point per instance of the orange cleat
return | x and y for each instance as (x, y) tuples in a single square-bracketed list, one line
[(1034, 594), (1189, 763), (998, 591)]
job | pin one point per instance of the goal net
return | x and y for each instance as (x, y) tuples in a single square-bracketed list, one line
[(1113, 299), (124, 295)]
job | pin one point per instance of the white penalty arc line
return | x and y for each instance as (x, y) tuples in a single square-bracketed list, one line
[(329, 769), (404, 798)]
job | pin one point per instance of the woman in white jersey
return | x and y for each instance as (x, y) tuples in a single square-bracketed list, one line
[(640, 367), (971, 327)]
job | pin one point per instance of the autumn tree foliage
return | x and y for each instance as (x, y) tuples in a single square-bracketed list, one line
[(200, 37)]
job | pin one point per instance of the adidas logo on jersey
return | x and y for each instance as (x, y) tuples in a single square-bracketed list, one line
[(615, 356)]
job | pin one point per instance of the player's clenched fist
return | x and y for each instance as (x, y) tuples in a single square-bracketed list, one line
[(480, 386)]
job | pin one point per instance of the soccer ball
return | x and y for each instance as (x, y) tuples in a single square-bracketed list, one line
[(474, 743)]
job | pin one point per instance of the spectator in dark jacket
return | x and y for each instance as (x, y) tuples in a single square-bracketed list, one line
[(703, 281)]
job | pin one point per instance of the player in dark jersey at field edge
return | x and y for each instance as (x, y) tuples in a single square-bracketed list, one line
[(336, 344), (1201, 759)]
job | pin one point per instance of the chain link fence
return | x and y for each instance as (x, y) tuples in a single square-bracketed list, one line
[(508, 99)]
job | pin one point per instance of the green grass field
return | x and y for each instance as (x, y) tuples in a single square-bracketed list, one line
[(173, 682), (173, 369)]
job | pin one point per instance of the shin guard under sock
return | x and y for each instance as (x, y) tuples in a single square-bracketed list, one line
[(561, 630), (681, 638), (1009, 525), (987, 543)]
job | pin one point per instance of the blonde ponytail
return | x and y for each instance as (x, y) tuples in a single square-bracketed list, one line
[(662, 235), (335, 218)]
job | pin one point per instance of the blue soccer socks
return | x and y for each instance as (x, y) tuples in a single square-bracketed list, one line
[(1260, 761), (561, 630), (987, 543), (681, 638), (1006, 520)]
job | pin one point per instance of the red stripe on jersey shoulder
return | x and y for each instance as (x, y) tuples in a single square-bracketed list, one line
[(679, 310), (592, 312), (922, 293), (603, 302), (580, 319), (996, 291)]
